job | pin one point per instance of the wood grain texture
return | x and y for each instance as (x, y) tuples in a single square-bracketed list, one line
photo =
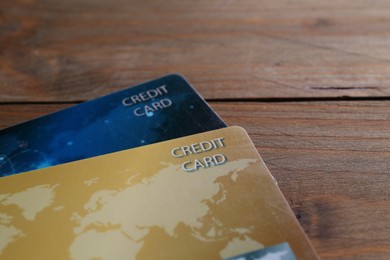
[(75, 50), (332, 163), (331, 160)]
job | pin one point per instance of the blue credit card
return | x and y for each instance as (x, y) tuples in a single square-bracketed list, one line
[(152, 112)]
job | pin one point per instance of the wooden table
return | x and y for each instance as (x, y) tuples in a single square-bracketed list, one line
[(309, 80)]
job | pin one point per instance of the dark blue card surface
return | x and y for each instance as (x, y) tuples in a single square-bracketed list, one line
[(152, 112)]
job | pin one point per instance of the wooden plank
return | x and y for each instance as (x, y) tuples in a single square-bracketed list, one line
[(76, 50), (331, 160)]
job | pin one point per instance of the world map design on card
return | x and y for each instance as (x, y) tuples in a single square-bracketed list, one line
[(204, 196)]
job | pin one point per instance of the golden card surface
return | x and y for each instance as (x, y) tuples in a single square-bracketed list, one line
[(205, 196)]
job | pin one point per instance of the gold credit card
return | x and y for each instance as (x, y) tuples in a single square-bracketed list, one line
[(205, 196)]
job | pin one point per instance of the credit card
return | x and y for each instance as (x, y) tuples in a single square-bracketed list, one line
[(155, 111), (205, 196), (281, 251)]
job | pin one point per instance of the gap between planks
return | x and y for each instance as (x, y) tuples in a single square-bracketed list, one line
[(225, 100)]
